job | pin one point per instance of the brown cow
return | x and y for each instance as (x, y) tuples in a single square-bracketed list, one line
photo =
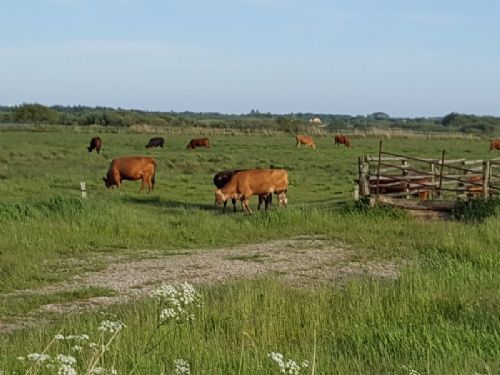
[(304, 140), (341, 139), (254, 182), (95, 144), (132, 168), (222, 178), (199, 142), (494, 145)]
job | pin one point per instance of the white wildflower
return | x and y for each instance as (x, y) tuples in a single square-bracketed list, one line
[(110, 326), (288, 366), (66, 359), (182, 367), (21, 358), (58, 337), (168, 313), (37, 357), (77, 348), (113, 371), (65, 369), (92, 345), (98, 370)]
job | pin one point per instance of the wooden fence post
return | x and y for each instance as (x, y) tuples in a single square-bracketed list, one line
[(432, 170), (441, 172), (404, 164), (486, 178), (83, 189), (363, 177), (356, 192), (461, 185), (378, 167)]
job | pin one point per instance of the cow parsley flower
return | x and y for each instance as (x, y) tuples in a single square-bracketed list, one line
[(65, 369), (77, 348), (288, 366), (182, 367), (110, 326), (177, 301), (58, 337), (66, 359), (37, 357)]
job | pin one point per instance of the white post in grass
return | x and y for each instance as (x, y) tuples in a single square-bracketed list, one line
[(83, 189)]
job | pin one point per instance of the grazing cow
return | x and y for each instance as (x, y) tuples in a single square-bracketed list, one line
[(132, 168), (222, 178), (342, 140), (305, 140), (95, 144), (200, 142), (156, 142), (244, 184), (494, 145)]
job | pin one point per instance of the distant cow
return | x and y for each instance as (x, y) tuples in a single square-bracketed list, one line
[(199, 142), (156, 142), (342, 140), (305, 140), (132, 168), (222, 178), (95, 144), (494, 144), (244, 184)]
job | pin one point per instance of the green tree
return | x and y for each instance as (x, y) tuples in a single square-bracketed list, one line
[(34, 113)]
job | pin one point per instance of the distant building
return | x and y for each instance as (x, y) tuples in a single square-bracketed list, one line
[(315, 121)]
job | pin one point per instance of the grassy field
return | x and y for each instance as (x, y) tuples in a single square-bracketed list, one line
[(442, 315)]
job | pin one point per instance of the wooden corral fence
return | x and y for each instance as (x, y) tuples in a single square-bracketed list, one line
[(390, 176)]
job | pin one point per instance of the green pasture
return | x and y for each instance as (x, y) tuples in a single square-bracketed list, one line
[(442, 315)]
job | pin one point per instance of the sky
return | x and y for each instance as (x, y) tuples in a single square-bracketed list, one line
[(402, 57)]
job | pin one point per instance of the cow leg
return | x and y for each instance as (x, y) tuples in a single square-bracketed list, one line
[(223, 207), (269, 201), (234, 204), (245, 203), (261, 199)]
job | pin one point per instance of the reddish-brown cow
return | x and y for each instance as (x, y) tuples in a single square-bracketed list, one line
[(222, 178), (304, 140), (132, 168), (95, 144), (254, 182), (199, 142), (342, 140), (494, 144)]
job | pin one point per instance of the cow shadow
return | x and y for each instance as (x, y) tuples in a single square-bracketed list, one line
[(169, 204)]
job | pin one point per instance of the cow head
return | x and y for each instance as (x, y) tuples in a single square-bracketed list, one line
[(220, 197), (107, 182)]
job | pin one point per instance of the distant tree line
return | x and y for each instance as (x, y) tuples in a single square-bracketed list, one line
[(33, 113)]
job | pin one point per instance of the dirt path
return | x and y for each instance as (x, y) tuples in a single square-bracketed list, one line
[(298, 261)]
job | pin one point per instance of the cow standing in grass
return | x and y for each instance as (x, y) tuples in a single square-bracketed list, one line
[(199, 142), (341, 139), (95, 144), (494, 145), (244, 184), (222, 178), (132, 168), (156, 142), (304, 140)]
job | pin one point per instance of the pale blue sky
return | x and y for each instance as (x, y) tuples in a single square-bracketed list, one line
[(407, 58)]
